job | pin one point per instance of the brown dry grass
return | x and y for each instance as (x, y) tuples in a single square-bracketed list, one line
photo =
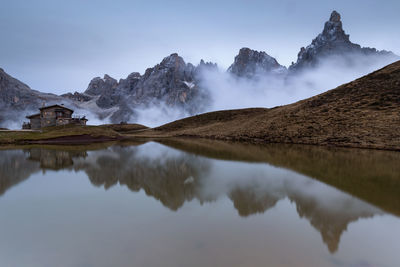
[(70, 134), (75, 133), (126, 128), (363, 113)]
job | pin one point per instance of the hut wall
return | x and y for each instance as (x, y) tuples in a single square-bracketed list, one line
[(49, 116), (62, 121), (35, 123)]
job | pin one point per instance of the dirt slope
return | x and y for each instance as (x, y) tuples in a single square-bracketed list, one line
[(363, 113)]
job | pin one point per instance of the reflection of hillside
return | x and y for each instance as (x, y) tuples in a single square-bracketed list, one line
[(174, 177), (14, 168), (371, 175)]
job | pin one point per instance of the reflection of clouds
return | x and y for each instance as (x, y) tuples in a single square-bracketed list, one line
[(174, 177)]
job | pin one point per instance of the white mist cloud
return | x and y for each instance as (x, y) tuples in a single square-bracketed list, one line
[(13, 120), (153, 116), (230, 92)]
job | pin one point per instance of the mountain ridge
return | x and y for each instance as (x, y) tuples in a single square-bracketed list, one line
[(332, 41), (175, 84)]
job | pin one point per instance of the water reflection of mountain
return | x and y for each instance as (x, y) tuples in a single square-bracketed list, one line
[(15, 168), (371, 175), (174, 177), (164, 177)]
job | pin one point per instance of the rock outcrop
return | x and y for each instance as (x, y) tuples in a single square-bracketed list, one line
[(333, 41), (172, 82), (15, 94), (250, 63), (104, 88), (98, 86), (17, 98), (78, 97)]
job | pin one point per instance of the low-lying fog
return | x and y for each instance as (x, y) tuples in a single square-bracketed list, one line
[(229, 92), (226, 91)]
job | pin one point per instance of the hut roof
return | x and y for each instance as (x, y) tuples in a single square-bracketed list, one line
[(52, 106), (32, 116)]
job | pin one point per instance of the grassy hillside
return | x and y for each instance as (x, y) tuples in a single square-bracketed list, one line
[(126, 128), (363, 113), (61, 134)]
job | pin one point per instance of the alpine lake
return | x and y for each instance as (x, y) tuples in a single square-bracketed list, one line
[(188, 202)]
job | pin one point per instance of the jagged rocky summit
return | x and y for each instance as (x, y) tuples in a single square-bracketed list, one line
[(333, 41), (172, 83), (250, 63)]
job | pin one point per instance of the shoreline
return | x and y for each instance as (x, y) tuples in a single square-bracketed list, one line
[(255, 141), (154, 134), (72, 140)]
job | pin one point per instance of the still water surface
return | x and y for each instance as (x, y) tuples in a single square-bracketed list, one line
[(192, 203)]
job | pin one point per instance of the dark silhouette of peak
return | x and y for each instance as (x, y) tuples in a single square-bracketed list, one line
[(333, 41)]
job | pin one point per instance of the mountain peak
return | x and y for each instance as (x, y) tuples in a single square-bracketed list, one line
[(98, 86), (173, 60), (109, 78), (335, 16), (333, 30), (333, 41), (249, 63)]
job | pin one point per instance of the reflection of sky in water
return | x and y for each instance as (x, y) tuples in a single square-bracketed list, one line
[(58, 218)]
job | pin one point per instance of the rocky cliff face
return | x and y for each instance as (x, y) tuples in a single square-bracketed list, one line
[(17, 99), (250, 63), (333, 41), (98, 86), (15, 94), (172, 83)]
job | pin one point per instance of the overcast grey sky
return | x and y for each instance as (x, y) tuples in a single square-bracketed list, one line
[(59, 46)]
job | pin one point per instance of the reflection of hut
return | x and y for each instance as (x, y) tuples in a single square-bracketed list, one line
[(55, 159), (53, 115)]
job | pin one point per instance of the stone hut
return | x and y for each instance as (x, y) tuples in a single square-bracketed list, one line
[(53, 115)]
